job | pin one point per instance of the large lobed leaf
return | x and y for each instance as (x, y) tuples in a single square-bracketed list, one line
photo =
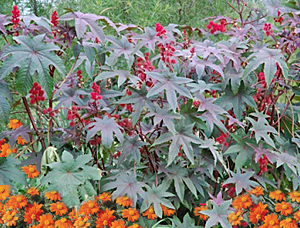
[(107, 127), (69, 175), (31, 56)]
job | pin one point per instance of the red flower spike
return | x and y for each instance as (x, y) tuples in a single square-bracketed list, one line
[(15, 18), (54, 19)]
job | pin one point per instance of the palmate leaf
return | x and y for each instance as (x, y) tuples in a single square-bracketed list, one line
[(261, 128), (82, 21), (289, 160), (121, 46), (9, 173), (148, 38), (126, 185), (183, 136), (180, 177), (170, 83), (70, 96), (188, 222), (241, 181), (32, 56), (139, 100), (123, 75), (156, 196), (164, 114), (5, 100), (68, 175), (107, 127), (238, 100), (131, 147), (218, 214), (210, 144), (268, 57)]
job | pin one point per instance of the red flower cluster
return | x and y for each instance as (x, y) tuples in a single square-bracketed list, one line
[(54, 19), (36, 93), (261, 97), (73, 114), (49, 111), (15, 18), (213, 27), (144, 65), (167, 52), (268, 29), (125, 123), (79, 75), (160, 31), (263, 163), (196, 103), (279, 18), (222, 138), (95, 94)]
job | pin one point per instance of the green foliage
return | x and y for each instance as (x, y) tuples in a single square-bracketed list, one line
[(167, 116), (71, 176), (9, 172), (31, 55), (218, 214)]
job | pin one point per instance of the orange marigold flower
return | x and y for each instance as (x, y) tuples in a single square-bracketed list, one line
[(63, 223), (18, 201), (297, 216), (59, 208), (295, 196), (277, 195), (284, 208), (46, 221), (197, 212), (242, 202), (118, 224), (10, 218), (33, 191), (104, 197), (5, 150), (4, 192), (73, 215), (21, 141), (257, 191), (235, 218), (14, 124), (150, 213), (124, 201), (31, 171), (288, 223), (135, 226), (131, 214), (54, 196), (90, 207), (271, 221), (105, 219), (33, 212), (82, 222), (167, 211), (258, 213)]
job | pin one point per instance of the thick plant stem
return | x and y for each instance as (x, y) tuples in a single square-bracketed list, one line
[(33, 123)]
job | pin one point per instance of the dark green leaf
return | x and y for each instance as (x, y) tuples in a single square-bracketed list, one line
[(32, 56)]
